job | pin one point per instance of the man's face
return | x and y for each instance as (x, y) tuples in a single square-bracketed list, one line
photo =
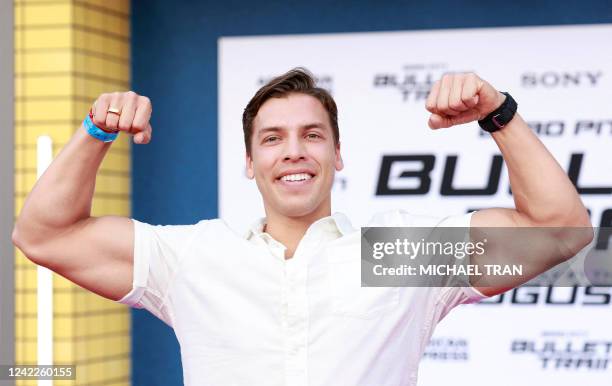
[(293, 156)]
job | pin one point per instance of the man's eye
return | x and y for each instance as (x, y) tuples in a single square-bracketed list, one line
[(270, 139), (313, 136)]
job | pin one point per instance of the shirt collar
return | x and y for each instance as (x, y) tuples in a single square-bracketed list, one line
[(336, 222)]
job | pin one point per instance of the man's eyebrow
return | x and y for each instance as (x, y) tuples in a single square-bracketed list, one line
[(312, 126), (273, 129), (276, 129)]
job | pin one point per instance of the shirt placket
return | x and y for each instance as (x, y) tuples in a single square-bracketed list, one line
[(296, 319), (294, 305)]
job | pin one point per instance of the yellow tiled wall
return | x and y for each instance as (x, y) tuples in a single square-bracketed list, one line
[(66, 54)]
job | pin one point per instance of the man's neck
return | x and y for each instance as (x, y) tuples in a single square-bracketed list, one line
[(290, 230)]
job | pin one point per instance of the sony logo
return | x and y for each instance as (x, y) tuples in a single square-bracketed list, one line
[(551, 79)]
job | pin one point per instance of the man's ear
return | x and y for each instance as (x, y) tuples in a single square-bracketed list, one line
[(250, 173), (339, 163)]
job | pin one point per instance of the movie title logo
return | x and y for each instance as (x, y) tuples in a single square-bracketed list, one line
[(413, 81), (412, 174), (595, 296), (584, 128), (558, 351)]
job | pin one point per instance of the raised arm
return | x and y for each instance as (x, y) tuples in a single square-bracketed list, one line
[(55, 228), (543, 194)]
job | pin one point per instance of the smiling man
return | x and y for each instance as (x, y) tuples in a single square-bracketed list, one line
[(293, 151), (283, 305)]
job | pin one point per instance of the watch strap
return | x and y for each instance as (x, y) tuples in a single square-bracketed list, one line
[(499, 117)]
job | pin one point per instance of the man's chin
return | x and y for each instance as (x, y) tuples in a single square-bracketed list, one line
[(296, 209)]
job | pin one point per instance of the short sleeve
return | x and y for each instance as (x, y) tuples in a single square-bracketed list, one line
[(460, 221), (449, 296), (467, 294), (402, 218), (453, 296), (157, 253)]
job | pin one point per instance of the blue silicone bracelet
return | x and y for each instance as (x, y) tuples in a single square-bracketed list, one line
[(98, 133)]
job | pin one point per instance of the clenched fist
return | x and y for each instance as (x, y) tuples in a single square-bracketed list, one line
[(124, 111), (461, 98)]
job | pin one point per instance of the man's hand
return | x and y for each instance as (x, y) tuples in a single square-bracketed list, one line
[(135, 113), (461, 98)]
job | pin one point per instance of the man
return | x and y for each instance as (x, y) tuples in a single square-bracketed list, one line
[(284, 304)]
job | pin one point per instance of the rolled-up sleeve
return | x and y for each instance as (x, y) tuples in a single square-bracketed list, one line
[(158, 250)]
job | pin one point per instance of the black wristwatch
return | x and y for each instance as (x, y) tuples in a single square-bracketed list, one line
[(499, 117)]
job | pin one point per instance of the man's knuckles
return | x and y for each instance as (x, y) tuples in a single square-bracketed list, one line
[(442, 106), (111, 123), (431, 107), (144, 100), (124, 125), (138, 126), (456, 105), (99, 119)]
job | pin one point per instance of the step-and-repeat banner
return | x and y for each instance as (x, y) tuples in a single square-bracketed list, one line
[(561, 78)]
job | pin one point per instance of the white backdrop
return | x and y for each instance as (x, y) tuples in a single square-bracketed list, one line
[(560, 77)]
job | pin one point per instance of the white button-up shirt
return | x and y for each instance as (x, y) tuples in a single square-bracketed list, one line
[(245, 315)]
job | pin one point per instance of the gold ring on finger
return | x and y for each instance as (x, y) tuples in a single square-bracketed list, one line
[(114, 110)]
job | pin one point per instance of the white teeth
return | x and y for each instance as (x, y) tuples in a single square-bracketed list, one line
[(296, 177)]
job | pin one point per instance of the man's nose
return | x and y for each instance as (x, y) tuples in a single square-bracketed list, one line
[(294, 149)]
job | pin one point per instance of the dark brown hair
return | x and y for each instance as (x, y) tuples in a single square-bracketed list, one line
[(297, 80)]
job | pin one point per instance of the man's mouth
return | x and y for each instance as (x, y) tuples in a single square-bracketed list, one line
[(296, 177)]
